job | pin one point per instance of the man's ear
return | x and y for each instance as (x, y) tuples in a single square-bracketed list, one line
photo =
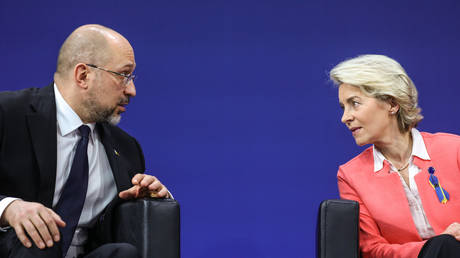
[(81, 74)]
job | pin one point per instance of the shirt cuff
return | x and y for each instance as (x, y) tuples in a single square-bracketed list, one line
[(3, 204)]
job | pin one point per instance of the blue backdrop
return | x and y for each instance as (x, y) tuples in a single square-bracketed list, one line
[(234, 110)]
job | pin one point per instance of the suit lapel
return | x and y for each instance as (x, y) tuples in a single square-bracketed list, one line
[(122, 178), (42, 128)]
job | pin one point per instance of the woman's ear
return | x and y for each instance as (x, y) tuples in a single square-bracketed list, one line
[(394, 107)]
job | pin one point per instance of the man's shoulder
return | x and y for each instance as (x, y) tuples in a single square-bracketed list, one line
[(20, 98), (26, 100), (12, 97)]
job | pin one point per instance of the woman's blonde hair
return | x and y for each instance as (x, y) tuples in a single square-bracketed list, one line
[(383, 78)]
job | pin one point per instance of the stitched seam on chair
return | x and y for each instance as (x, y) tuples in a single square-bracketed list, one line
[(325, 229), (144, 229)]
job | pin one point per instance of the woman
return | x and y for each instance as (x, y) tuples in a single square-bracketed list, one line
[(408, 182)]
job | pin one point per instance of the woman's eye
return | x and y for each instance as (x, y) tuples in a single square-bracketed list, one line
[(355, 103)]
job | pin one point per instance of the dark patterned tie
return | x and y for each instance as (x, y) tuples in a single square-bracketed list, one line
[(73, 194)]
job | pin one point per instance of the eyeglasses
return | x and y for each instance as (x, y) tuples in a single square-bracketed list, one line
[(127, 77)]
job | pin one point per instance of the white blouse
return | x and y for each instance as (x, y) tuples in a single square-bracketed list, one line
[(413, 198)]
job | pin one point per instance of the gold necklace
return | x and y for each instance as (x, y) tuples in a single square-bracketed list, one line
[(408, 161), (405, 166)]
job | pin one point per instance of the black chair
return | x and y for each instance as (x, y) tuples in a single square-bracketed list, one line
[(152, 225), (337, 229)]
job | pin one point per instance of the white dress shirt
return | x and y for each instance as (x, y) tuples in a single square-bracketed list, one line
[(101, 183), (413, 198)]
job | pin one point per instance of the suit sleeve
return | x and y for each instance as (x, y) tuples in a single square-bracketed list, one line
[(371, 242), (141, 155), (1, 141)]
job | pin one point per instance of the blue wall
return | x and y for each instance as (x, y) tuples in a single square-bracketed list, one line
[(234, 109)]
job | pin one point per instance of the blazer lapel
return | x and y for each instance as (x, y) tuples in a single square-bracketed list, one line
[(122, 179), (397, 201), (42, 128), (423, 165)]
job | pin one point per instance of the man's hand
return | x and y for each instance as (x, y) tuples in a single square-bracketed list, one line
[(38, 221), (144, 186), (453, 230)]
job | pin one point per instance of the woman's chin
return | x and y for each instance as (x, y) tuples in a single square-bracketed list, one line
[(361, 142)]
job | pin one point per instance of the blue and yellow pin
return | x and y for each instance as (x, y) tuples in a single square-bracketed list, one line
[(443, 195)]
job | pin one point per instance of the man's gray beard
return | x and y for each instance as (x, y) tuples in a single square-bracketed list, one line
[(100, 114), (114, 119), (109, 116)]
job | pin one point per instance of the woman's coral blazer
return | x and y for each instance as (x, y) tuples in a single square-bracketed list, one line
[(386, 225)]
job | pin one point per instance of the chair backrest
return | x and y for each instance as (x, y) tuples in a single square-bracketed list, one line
[(151, 225), (337, 229)]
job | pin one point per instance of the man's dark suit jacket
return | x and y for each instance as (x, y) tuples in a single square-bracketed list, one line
[(28, 147)]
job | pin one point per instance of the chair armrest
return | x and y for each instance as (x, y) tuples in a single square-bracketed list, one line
[(337, 232), (152, 225)]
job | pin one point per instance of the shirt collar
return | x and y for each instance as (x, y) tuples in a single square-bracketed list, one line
[(67, 120), (418, 149)]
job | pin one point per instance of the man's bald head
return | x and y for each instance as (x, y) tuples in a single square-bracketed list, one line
[(89, 44)]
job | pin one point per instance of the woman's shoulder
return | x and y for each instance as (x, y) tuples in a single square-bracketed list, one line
[(440, 138), (360, 162)]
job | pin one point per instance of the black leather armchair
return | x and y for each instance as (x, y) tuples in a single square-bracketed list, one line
[(337, 229), (152, 225)]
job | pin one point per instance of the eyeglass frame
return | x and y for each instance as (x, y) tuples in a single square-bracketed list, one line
[(128, 77)]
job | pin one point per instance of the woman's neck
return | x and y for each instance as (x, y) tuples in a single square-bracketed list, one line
[(397, 148)]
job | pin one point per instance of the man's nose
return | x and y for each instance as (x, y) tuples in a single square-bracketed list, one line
[(130, 89)]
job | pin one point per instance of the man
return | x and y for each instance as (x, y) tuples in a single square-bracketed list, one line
[(63, 162)]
